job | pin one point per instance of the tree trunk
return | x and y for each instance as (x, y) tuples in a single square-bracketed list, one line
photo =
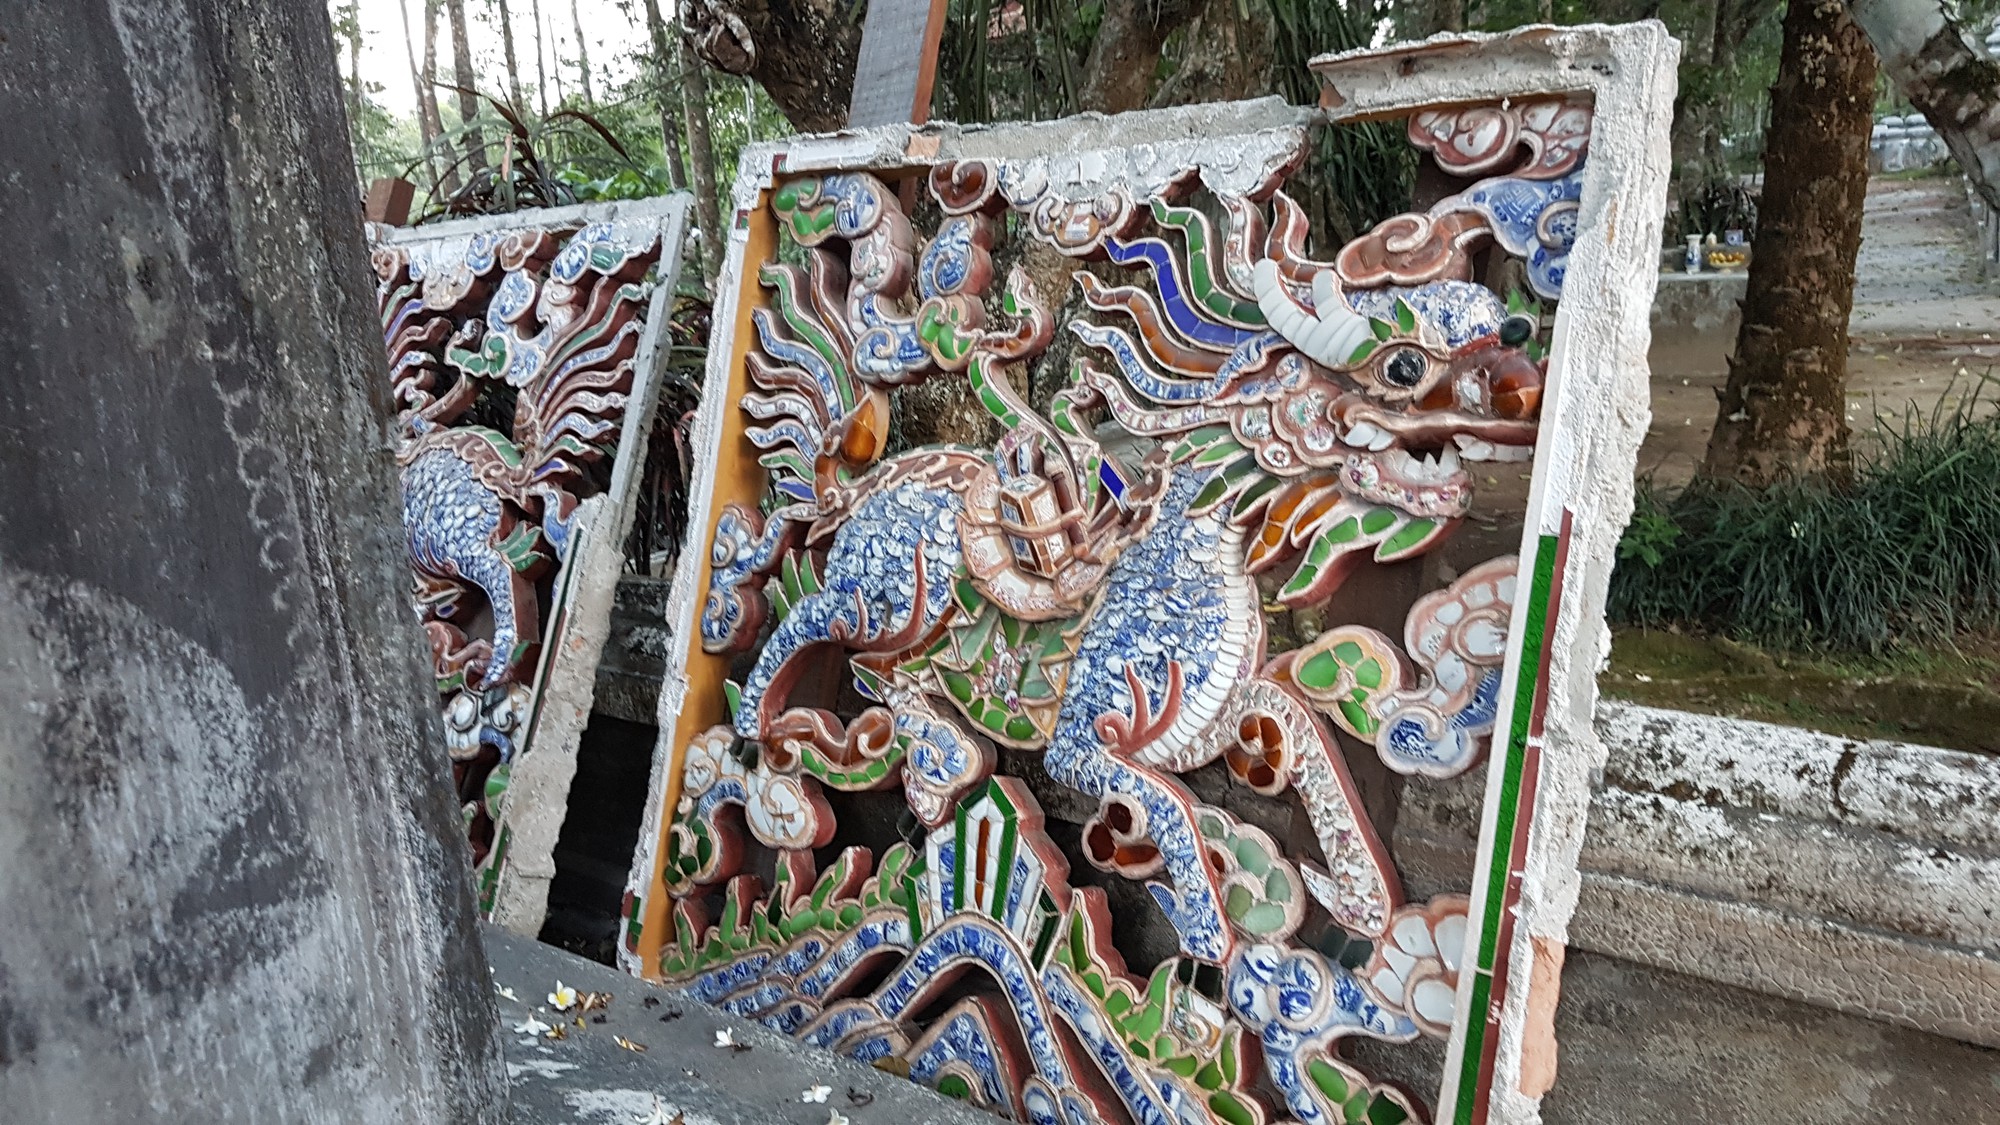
[(1784, 410), (1421, 19), (541, 69), (427, 104), (1235, 59), (229, 883), (507, 52), (350, 26), (664, 58), (701, 159), (801, 51), (1125, 57), (1954, 85), (466, 79), (425, 133), (582, 55)]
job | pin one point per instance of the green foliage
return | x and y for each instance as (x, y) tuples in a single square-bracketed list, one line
[(1909, 552), (1357, 174)]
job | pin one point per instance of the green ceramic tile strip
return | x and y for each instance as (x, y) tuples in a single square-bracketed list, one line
[(1526, 686)]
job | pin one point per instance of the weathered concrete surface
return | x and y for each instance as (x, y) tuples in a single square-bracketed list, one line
[(229, 883), (1859, 876), (1696, 306), (589, 1079), (1643, 1046)]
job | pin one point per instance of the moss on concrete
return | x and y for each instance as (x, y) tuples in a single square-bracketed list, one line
[(1935, 696)]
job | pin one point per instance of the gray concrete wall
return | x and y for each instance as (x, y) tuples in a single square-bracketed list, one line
[(230, 884)]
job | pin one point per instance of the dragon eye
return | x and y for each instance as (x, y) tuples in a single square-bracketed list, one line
[(1405, 369), (1515, 331)]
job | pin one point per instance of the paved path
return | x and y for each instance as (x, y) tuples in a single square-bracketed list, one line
[(1919, 272)]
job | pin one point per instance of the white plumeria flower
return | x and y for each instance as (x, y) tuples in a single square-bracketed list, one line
[(562, 997), (658, 1116), (723, 1038), (816, 1094), (834, 1117), (506, 993), (530, 1026)]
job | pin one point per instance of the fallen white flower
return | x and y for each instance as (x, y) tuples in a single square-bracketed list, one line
[(506, 993), (658, 1116), (724, 1039), (530, 1026), (562, 997), (833, 1117), (816, 1094)]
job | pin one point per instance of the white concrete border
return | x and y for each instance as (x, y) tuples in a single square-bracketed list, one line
[(1594, 414)]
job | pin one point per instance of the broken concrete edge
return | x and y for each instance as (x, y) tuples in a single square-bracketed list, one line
[(580, 619), (1229, 143), (1531, 61), (669, 1060)]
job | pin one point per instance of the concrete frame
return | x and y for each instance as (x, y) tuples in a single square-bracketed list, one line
[(579, 618), (1594, 415)]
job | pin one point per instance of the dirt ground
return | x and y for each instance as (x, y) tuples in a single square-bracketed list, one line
[(1922, 337), (1925, 326)]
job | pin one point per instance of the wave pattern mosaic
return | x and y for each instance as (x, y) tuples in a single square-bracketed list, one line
[(946, 705)]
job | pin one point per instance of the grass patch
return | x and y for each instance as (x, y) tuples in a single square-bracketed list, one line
[(1908, 553)]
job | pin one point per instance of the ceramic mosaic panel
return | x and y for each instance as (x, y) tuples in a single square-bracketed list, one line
[(524, 359), (1225, 566)]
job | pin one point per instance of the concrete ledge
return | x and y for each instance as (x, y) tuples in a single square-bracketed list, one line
[(1859, 876), (588, 1079), (1690, 305)]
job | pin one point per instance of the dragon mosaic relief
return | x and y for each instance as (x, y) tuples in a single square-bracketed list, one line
[(513, 360), (1238, 431)]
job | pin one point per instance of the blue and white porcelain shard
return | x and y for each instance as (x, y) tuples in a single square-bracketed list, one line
[(1171, 599), (965, 1039), (450, 519), (870, 588), (1412, 743), (1296, 1003), (1534, 220), (1459, 311)]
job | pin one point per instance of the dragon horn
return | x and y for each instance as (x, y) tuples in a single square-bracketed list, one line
[(1329, 334)]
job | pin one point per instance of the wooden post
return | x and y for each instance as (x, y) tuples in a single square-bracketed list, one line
[(388, 201), (230, 884), (898, 62)]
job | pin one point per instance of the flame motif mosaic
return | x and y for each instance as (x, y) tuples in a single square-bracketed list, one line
[(517, 354), (1237, 430)]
